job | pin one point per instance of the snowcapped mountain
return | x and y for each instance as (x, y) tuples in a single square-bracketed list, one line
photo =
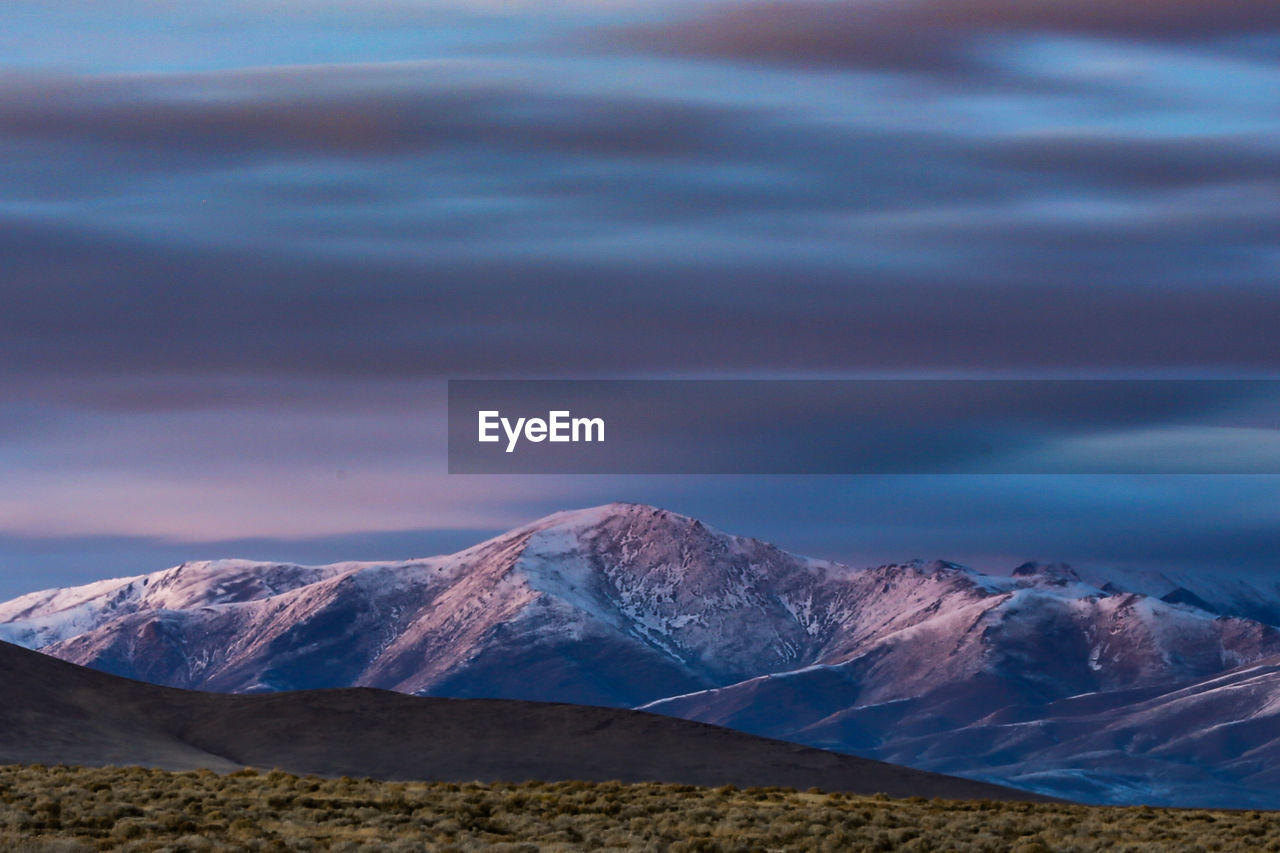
[(1222, 593), (617, 605), (926, 664), (47, 617), (1073, 697)]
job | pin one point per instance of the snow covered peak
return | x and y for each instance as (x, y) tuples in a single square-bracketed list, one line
[(617, 516), (51, 616)]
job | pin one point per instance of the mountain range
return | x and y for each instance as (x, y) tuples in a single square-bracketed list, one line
[(1149, 688)]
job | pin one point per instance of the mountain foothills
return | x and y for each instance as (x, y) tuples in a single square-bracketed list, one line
[(52, 712), (1139, 688)]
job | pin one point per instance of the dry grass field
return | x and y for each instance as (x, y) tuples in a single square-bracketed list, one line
[(72, 809)]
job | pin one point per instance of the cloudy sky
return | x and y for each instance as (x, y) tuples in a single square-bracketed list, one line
[(243, 244)]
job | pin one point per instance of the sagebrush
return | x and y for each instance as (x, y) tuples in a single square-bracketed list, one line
[(73, 809)]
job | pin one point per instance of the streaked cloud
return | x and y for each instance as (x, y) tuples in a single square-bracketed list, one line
[(933, 35), (242, 251)]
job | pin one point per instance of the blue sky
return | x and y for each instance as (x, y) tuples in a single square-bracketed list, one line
[(247, 242)]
